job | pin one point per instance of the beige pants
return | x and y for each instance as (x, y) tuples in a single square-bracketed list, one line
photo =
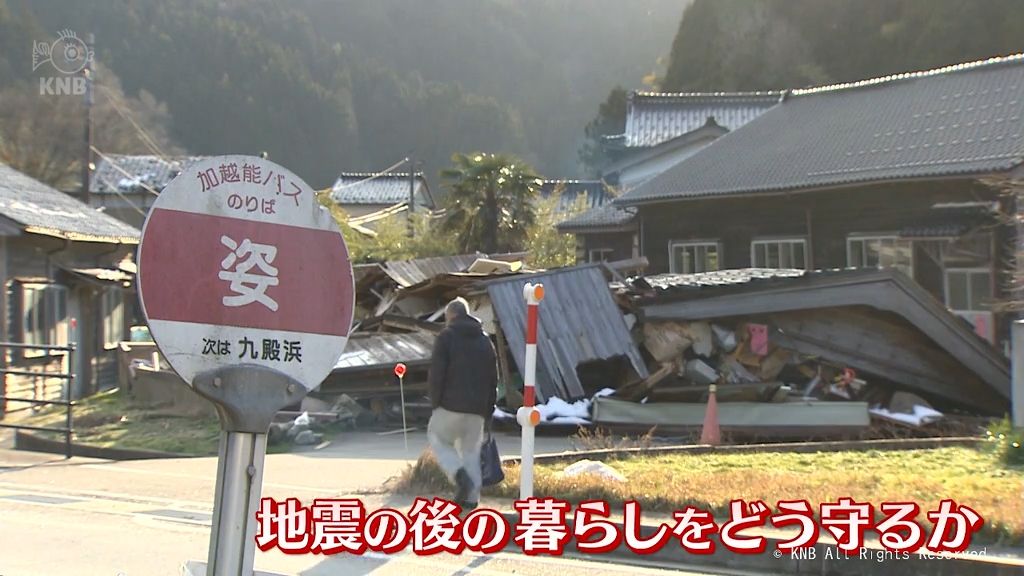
[(455, 439)]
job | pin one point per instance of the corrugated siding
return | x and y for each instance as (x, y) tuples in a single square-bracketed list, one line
[(409, 272), (385, 350), (579, 322)]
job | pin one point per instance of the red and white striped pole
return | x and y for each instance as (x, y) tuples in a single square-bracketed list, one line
[(528, 416)]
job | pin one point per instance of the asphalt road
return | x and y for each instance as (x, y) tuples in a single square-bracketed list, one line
[(85, 517)]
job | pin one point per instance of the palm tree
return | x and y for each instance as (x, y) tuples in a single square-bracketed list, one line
[(490, 203)]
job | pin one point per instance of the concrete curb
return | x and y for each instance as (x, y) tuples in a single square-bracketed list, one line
[(793, 447), (826, 559), (32, 443)]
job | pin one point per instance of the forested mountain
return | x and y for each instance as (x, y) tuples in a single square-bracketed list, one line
[(330, 85), (777, 44)]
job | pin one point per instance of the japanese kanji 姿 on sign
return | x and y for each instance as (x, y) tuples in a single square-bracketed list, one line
[(239, 264)]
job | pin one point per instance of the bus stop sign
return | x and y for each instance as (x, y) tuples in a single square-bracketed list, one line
[(239, 264)]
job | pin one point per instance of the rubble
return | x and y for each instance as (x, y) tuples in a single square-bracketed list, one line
[(791, 353), (591, 467)]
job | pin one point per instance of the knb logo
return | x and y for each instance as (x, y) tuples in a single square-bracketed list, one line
[(69, 55)]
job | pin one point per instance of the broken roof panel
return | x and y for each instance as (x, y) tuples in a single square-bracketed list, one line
[(40, 209), (957, 120), (406, 273), (383, 351), (579, 322), (969, 371)]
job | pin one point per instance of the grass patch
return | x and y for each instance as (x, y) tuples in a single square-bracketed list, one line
[(110, 420), (977, 478)]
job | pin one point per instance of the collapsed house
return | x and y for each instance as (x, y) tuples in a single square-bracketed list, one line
[(804, 353), (792, 353)]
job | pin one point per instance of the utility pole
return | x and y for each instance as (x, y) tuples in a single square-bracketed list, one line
[(412, 195), (87, 160)]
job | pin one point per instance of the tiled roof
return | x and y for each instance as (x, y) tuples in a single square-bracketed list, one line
[(385, 189), (40, 209), (595, 190), (963, 119), (732, 277), (653, 117), (606, 216), (145, 171)]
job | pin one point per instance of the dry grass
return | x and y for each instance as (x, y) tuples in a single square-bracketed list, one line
[(110, 420), (665, 483)]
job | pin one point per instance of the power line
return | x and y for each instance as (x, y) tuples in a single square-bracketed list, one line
[(146, 138), (384, 172), (123, 197), (117, 167)]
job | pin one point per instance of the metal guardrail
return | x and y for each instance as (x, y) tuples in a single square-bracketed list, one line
[(66, 374)]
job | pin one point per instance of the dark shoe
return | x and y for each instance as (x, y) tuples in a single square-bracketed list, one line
[(463, 485)]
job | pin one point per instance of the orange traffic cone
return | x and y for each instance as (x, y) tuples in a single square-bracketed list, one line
[(711, 434)]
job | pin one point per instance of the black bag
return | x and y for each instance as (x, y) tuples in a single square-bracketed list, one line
[(490, 463)]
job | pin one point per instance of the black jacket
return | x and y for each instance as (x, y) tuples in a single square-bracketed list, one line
[(463, 370)]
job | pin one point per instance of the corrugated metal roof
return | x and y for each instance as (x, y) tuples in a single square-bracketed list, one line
[(579, 322), (406, 273), (381, 350), (41, 209), (606, 216), (958, 120), (653, 117), (384, 189), (146, 171)]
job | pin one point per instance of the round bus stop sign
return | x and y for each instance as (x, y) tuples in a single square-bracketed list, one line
[(239, 264)]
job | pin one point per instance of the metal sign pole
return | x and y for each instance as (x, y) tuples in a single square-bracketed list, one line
[(247, 398), (527, 415), (400, 372)]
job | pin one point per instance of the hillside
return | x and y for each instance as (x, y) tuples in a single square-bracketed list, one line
[(325, 86)]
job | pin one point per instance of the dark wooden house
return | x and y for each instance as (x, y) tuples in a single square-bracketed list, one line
[(68, 277), (909, 171)]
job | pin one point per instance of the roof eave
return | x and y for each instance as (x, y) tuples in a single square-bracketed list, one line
[(79, 237), (803, 189)]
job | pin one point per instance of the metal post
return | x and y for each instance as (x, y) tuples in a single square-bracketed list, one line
[(405, 429), (1017, 392), (68, 385), (528, 416), (247, 398), (87, 160), (412, 196), (239, 485)]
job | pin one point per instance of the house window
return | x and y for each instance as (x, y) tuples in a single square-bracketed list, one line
[(783, 253), (968, 293), (880, 252), (693, 257), (968, 289), (601, 254), (113, 316), (45, 314)]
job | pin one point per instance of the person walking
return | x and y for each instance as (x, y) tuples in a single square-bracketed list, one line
[(463, 389)]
